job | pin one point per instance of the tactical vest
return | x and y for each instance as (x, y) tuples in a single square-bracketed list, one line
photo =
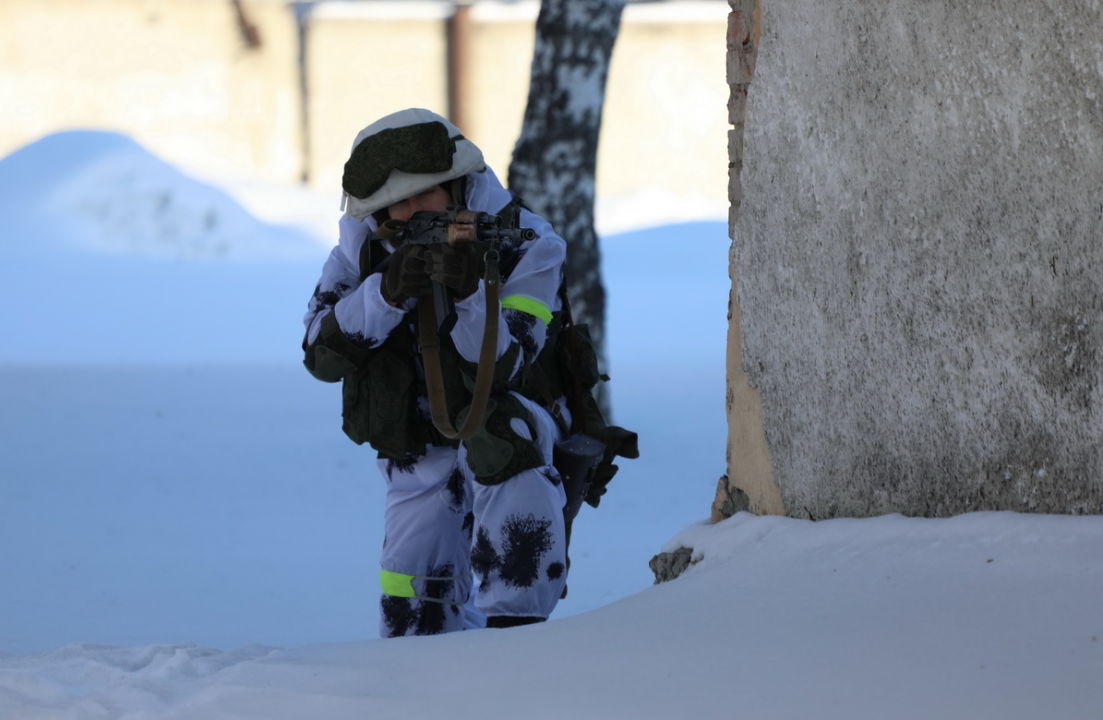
[(381, 385)]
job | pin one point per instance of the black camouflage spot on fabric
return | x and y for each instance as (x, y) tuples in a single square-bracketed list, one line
[(455, 492), (555, 570), (468, 525), (510, 253), (358, 338), (330, 297), (442, 588), (521, 326), (484, 558), (398, 615), (404, 465), (431, 615), (525, 541)]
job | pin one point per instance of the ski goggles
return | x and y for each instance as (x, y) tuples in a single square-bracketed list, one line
[(420, 149)]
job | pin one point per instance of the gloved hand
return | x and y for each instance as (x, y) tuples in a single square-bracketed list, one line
[(407, 275), (457, 268)]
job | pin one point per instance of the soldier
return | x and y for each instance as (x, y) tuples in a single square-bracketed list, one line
[(493, 502)]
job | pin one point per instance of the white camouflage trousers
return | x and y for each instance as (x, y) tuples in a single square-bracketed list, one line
[(441, 524)]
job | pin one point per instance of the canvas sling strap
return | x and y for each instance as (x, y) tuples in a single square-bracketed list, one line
[(484, 377)]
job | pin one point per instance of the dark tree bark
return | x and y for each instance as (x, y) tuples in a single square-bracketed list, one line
[(555, 159)]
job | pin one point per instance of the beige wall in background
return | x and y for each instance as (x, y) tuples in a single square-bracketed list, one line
[(178, 76), (499, 64), (665, 122), (366, 60), (664, 126)]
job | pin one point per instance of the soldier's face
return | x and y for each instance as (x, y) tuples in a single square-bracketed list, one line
[(435, 199)]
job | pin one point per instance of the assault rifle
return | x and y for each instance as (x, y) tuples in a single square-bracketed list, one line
[(457, 227), (578, 454)]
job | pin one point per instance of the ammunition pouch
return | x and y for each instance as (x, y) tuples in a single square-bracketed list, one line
[(496, 452), (379, 399), (581, 359), (568, 367), (379, 406), (332, 356)]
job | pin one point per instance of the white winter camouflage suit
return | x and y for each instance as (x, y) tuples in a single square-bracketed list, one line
[(440, 522)]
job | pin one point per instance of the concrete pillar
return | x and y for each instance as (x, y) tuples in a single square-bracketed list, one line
[(749, 482), (917, 304)]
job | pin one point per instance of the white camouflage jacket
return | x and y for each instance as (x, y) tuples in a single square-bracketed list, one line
[(531, 271)]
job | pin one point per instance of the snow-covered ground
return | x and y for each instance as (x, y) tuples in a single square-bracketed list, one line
[(185, 532)]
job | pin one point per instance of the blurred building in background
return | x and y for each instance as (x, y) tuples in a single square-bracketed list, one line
[(278, 89)]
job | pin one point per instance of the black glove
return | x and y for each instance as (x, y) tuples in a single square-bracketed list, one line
[(457, 268), (406, 275)]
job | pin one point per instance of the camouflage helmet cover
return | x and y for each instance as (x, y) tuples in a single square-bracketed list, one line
[(401, 155)]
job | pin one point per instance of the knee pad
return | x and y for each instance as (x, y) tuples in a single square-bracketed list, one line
[(500, 449)]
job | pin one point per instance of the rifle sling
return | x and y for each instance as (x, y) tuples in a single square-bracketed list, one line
[(484, 377)]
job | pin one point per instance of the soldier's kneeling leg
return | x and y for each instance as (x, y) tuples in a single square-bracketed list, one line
[(519, 553), (425, 574)]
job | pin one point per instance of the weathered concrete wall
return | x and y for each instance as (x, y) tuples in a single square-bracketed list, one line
[(749, 482), (919, 256)]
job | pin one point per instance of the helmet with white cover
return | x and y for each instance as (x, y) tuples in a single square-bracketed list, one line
[(401, 155)]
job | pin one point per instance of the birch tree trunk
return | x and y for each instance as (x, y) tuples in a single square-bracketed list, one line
[(555, 159)]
